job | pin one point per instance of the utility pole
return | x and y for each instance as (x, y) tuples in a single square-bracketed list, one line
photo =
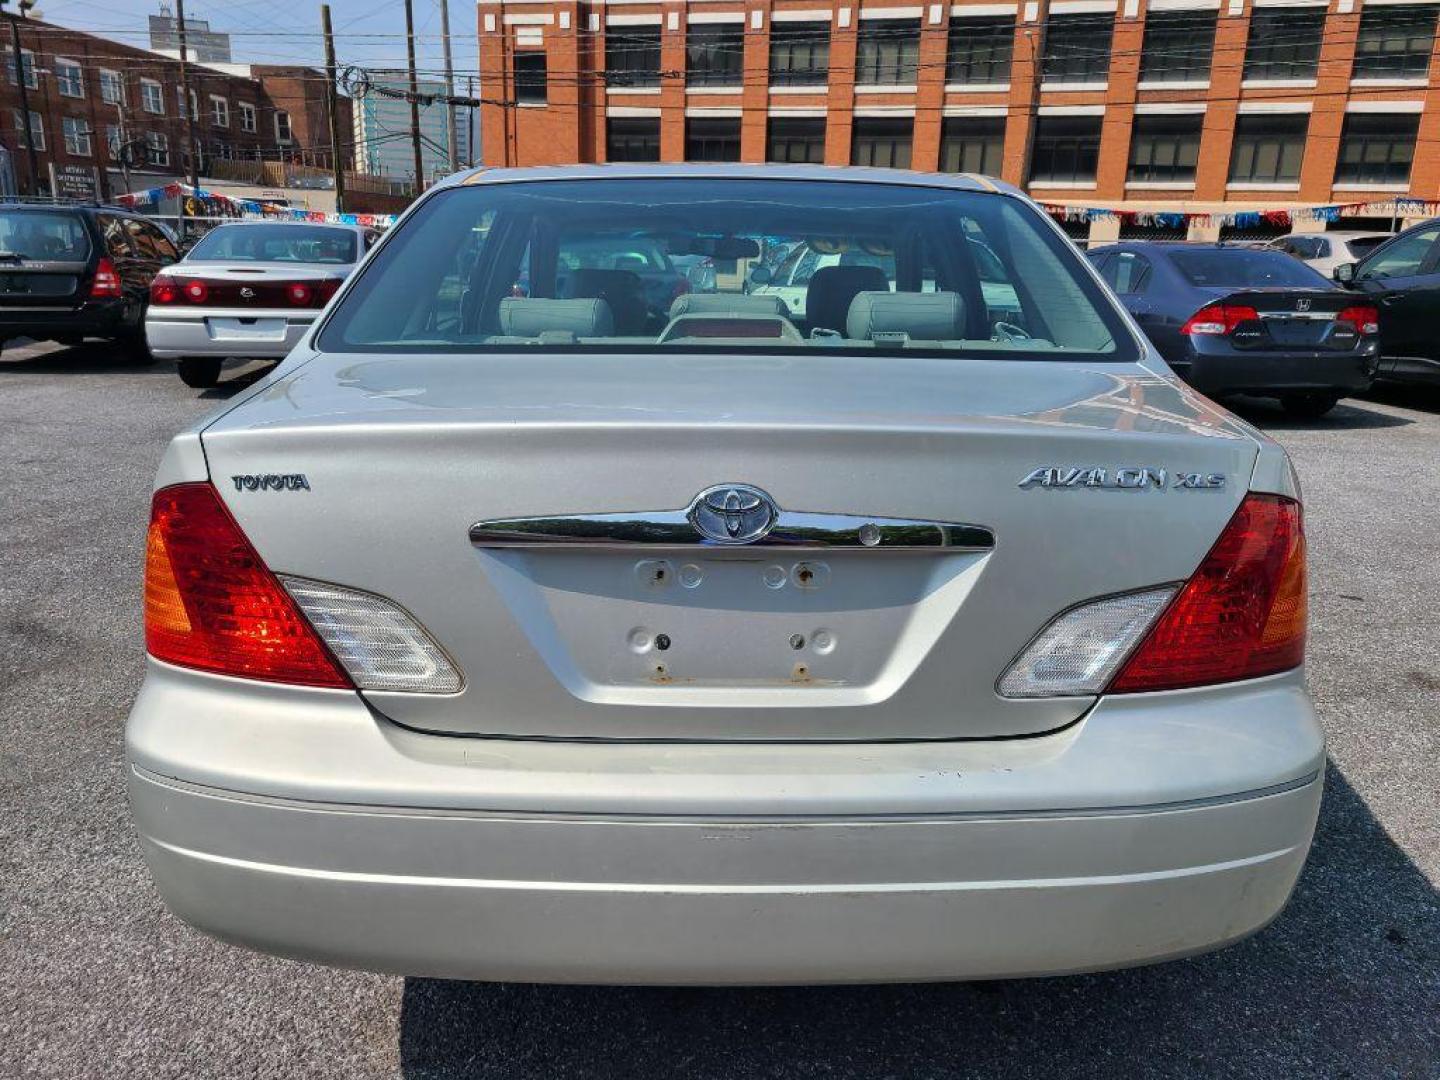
[(124, 133), (24, 96), (450, 130), (332, 100), (189, 108), (414, 96)]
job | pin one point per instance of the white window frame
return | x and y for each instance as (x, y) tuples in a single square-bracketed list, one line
[(112, 78), (152, 93), (64, 62), (219, 111), (289, 135), (112, 141), (37, 127), (248, 117), (74, 131), (157, 143), (32, 76)]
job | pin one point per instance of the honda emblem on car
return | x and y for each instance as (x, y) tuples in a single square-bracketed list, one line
[(1302, 304), (732, 514)]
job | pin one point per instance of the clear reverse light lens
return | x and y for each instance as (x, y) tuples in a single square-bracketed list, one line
[(1080, 651), (380, 645)]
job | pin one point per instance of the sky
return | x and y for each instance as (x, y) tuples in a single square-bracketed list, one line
[(370, 33)]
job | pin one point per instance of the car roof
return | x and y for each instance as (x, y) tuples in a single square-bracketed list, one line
[(732, 171), (281, 221)]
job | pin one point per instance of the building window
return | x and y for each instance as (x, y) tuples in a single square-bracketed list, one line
[(1077, 48), (882, 141), (531, 77), (152, 97), (1268, 149), (712, 139), (222, 151), (972, 144), (1394, 43), (1284, 43), (799, 53), (77, 136), (247, 117), (632, 56), (283, 131), (157, 148), (112, 87), (979, 50), (37, 126), (1376, 149), (1165, 149), (889, 52), (69, 78), (27, 63), (1178, 46), (219, 111), (715, 54), (796, 139), (632, 138), (1067, 149), (112, 141)]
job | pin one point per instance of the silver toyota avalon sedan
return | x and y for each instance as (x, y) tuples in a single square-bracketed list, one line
[(557, 613)]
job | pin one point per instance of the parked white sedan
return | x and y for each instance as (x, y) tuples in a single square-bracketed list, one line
[(554, 638), (249, 290)]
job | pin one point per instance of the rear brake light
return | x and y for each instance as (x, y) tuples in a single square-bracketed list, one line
[(1365, 320), (163, 290), (107, 282), (298, 293), (212, 604), (196, 291), (1218, 319), (1240, 616)]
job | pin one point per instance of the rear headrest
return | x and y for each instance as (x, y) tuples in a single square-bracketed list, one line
[(828, 296), (935, 316), (726, 304), (530, 317)]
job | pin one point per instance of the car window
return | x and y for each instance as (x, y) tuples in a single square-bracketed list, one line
[(1404, 258), (1303, 247), (1241, 268), (1360, 246), (487, 268), (113, 236), (142, 239), (1128, 272), (40, 235), (275, 243), (164, 246)]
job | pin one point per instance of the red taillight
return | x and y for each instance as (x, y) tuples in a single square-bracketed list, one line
[(298, 293), (313, 294), (1365, 320), (196, 291), (1240, 616), (212, 604), (1218, 319), (163, 291), (107, 282)]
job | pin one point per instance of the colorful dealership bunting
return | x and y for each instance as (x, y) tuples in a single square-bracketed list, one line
[(1245, 219), (252, 206)]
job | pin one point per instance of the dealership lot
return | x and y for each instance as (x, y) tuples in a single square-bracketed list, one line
[(97, 979)]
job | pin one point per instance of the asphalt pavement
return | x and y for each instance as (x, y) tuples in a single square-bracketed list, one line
[(98, 980)]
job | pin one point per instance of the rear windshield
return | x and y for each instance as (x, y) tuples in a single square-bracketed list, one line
[(1237, 268), (37, 235), (717, 264), (1360, 246), (275, 243)]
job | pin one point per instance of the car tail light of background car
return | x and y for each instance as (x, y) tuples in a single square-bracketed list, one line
[(212, 604), (1365, 320), (1218, 319), (168, 289), (107, 282), (1240, 616)]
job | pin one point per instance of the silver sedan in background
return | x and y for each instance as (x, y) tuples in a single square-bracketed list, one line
[(248, 290)]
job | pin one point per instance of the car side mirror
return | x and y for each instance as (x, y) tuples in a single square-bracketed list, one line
[(761, 276), (1344, 273)]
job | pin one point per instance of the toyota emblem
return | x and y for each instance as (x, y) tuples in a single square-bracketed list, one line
[(732, 514)]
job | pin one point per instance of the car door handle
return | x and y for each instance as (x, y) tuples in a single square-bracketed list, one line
[(1392, 298)]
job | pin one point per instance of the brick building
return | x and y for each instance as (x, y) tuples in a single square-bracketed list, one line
[(1143, 104), (87, 94)]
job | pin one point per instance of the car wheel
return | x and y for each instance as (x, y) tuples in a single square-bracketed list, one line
[(200, 372), (1308, 406)]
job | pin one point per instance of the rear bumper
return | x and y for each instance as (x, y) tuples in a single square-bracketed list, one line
[(172, 336), (1411, 369), (101, 318), (1235, 371), (899, 862)]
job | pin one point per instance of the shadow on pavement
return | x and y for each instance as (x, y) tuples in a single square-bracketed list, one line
[(104, 358), (1350, 414), (1342, 985), (1406, 396)]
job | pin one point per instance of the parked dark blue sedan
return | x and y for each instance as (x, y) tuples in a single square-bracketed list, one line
[(1241, 320)]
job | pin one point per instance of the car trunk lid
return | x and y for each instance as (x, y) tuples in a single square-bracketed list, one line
[(1291, 318), (1077, 472)]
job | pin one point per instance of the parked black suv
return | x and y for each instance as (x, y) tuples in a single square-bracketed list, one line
[(1402, 278), (69, 272)]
